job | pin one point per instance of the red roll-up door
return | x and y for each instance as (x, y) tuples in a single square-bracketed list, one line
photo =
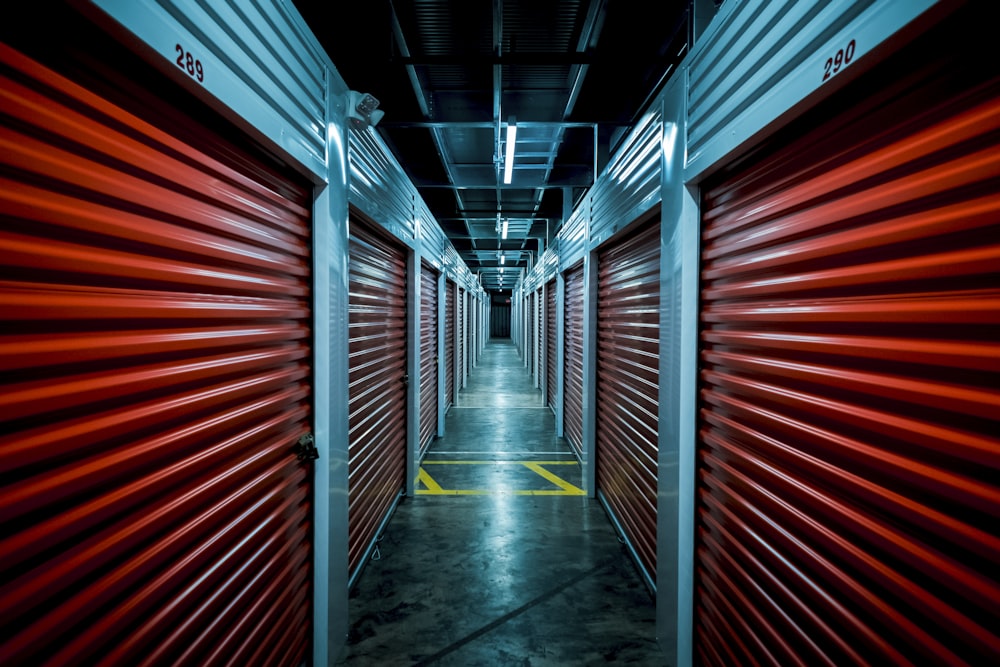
[(529, 337), (473, 332), (155, 357), (460, 341), (550, 343), (849, 432), (377, 389), (428, 355), (539, 337), (449, 342), (628, 357), (573, 359)]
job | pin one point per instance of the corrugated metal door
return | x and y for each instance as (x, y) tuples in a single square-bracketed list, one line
[(500, 320), (428, 355), (573, 359), (377, 389), (473, 332), (628, 357), (539, 338), (550, 342), (529, 341), (460, 341), (155, 354), (849, 436), (449, 342)]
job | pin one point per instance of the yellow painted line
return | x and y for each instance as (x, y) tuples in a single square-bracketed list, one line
[(568, 488), (494, 492), (432, 486), (492, 462), (565, 488)]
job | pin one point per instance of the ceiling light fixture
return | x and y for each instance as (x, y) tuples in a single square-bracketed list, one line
[(503, 233), (508, 163), (503, 258)]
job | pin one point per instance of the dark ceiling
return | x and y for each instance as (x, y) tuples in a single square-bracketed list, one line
[(450, 76)]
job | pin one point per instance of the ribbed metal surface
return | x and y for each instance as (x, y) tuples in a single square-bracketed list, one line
[(849, 435), (460, 340), (377, 385), (573, 359), (155, 362), (530, 341), (379, 186), (500, 320), (473, 323), (258, 59), (630, 186), (628, 357), (449, 342), (758, 60), (428, 356), (433, 241), (572, 238), (539, 338), (551, 368)]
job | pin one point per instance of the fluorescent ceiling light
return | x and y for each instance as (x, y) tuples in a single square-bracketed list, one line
[(503, 258), (508, 163), (503, 233)]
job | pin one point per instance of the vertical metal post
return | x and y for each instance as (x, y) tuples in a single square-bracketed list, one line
[(413, 351), (590, 373), (679, 260), (331, 287)]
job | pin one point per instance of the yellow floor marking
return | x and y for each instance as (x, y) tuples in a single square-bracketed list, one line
[(492, 462), (565, 488), (558, 481), (432, 486)]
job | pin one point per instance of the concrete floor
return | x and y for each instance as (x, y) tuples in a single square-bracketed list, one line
[(500, 559)]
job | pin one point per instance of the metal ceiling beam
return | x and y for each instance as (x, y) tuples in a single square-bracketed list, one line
[(581, 181), (484, 125), (544, 58), (418, 90)]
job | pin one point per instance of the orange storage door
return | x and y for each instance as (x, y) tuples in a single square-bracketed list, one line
[(573, 360), (449, 342), (551, 380), (849, 434), (628, 358), (460, 341), (428, 356), (155, 355), (377, 386)]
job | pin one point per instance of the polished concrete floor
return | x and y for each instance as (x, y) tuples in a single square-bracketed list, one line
[(500, 558)]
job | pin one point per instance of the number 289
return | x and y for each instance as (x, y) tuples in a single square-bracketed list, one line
[(189, 63)]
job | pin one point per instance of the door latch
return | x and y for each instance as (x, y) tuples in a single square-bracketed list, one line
[(305, 448)]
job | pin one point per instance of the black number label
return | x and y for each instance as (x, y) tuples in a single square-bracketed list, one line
[(842, 59), (189, 63)]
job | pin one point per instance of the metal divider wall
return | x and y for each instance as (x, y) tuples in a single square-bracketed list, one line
[(155, 359), (428, 355), (550, 343), (377, 386), (848, 436), (628, 354), (573, 359), (449, 342)]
